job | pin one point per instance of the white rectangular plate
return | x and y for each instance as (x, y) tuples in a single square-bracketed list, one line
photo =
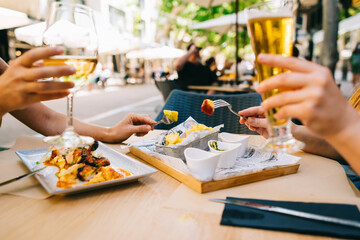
[(33, 160)]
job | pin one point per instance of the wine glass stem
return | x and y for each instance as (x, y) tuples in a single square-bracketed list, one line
[(69, 122)]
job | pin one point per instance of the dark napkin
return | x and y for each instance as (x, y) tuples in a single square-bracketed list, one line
[(234, 215)]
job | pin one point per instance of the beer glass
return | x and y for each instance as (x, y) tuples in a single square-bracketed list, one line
[(72, 27), (271, 30)]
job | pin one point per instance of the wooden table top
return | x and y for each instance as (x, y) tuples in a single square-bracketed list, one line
[(159, 207), (227, 89)]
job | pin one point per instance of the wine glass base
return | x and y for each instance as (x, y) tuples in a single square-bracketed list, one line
[(288, 146), (69, 140)]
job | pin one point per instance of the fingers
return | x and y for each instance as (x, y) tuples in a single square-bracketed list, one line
[(258, 122), (252, 111), (140, 129), (284, 81), (33, 98), (46, 72), (139, 119), (294, 111), (290, 63), (49, 87), (286, 98), (140, 134), (36, 54)]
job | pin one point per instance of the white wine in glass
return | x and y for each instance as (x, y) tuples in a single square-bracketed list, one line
[(72, 27), (271, 30)]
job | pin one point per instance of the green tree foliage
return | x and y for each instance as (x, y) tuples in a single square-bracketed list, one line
[(193, 13)]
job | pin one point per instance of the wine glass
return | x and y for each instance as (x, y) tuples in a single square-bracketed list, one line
[(72, 27), (271, 30)]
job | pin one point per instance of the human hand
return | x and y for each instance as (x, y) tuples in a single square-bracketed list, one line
[(256, 120), (193, 49), (309, 93), (19, 86), (138, 124)]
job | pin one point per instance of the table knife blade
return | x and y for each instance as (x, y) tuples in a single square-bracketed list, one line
[(290, 212)]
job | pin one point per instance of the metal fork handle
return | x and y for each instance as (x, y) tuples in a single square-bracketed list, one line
[(157, 123), (231, 110), (22, 176)]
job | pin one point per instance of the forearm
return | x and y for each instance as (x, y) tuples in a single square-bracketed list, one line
[(48, 122), (346, 143), (179, 64), (315, 144)]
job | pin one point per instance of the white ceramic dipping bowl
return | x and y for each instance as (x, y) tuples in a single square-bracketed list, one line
[(235, 138), (202, 164), (228, 153)]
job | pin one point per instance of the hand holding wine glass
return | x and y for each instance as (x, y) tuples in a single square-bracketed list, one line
[(72, 27)]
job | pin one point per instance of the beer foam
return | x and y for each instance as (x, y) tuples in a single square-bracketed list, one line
[(281, 12)]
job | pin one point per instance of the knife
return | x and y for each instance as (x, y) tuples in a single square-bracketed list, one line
[(22, 176), (291, 212)]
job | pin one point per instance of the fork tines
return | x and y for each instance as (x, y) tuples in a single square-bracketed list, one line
[(220, 103)]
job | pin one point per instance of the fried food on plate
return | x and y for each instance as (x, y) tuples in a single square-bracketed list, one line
[(81, 165)]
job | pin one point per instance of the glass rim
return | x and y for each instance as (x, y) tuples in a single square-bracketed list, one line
[(76, 5), (266, 2)]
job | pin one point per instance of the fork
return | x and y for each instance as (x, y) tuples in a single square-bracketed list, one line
[(222, 103), (164, 120)]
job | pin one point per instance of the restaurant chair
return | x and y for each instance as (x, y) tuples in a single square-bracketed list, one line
[(189, 104), (165, 87)]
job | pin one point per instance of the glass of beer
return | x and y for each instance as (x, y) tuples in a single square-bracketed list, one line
[(72, 27), (271, 30)]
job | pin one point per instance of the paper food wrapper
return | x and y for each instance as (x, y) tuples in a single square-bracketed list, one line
[(198, 139)]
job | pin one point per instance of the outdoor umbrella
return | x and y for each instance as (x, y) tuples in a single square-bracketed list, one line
[(162, 52), (208, 3), (10, 18), (222, 24), (110, 40)]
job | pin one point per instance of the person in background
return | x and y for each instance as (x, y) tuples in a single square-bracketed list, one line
[(21, 93), (312, 96), (355, 65), (241, 67), (211, 64), (191, 71)]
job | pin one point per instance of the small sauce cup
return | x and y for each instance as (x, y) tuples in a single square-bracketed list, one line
[(202, 164), (235, 138), (228, 152)]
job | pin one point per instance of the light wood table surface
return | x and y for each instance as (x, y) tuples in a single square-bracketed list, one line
[(224, 89), (159, 207)]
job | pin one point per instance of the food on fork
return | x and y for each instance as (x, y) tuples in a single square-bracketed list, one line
[(171, 115), (82, 165), (207, 107)]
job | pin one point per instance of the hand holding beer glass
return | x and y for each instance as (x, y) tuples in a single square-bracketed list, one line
[(271, 29), (72, 27)]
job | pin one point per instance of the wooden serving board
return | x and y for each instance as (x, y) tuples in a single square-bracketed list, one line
[(203, 187)]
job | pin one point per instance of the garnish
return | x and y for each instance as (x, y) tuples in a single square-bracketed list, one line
[(214, 145)]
